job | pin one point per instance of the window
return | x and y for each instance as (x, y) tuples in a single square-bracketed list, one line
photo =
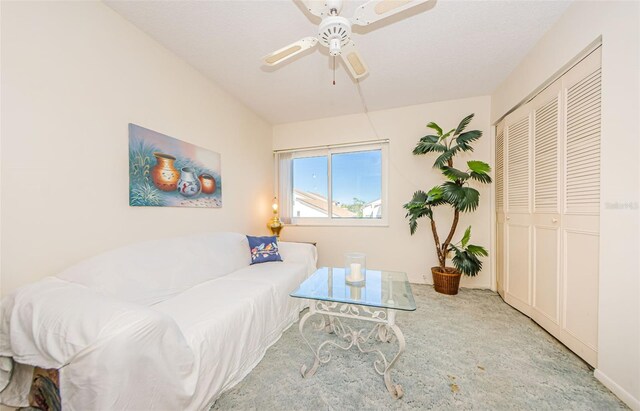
[(334, 185)]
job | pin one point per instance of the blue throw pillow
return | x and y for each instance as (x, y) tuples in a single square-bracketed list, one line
[(263, 249)]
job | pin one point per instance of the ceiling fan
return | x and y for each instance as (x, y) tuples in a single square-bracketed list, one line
[(334, 31)]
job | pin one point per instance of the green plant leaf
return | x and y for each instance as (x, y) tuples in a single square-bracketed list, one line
[(479, 166), (444, 136), (435, 127), (430, 139), (415, 215), (435, 194), (443, 159), (479, 170), (462, 198), (466, 263), (426, 147), (468, 137), (454, 174), (418, 207), (477, 250), (463, 124), (413, 225), (462, 147), (481, 177), (419, 198), (466, 237)]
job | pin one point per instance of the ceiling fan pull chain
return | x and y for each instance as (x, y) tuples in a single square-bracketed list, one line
[(334, 70)]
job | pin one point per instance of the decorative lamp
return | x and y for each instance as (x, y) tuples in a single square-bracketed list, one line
[(275, 225)]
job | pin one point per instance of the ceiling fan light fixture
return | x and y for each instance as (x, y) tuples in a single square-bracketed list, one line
[(334, 47), (334, 27)]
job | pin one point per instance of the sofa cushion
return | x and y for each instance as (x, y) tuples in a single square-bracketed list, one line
[(150, 272), (263, 249)]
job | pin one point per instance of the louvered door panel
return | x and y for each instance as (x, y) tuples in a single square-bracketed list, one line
[(582, 191), (580, 220), (546, 157), (517, 216), (546, 200), (500, 168), (518, 166), (500, 207)]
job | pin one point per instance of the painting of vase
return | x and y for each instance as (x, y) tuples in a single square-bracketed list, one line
[(168, 172), (164, 175)]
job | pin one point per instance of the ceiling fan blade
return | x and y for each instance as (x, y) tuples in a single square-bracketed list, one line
[(289, 51), (375, 10), (353, 61), (320, 8)]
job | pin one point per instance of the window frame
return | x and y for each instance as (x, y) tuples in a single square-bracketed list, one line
[(343, 221)]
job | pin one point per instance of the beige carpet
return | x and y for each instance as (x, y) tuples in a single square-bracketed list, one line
[(467, 352)]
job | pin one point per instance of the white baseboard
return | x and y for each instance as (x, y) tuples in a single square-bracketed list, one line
[(627, 398)]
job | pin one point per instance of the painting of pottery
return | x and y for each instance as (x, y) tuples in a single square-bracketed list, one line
[(167, 172)]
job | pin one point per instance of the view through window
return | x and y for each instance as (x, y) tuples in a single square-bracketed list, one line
[(345, 184)]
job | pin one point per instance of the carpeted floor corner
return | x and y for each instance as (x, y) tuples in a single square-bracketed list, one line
[(471, 351)]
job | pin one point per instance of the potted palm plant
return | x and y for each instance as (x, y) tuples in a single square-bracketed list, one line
[(454, 192)]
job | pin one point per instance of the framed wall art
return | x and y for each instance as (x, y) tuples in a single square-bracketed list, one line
[(167, 172)]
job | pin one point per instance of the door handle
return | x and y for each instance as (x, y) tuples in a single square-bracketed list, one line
[(554, 220), (508, 218)]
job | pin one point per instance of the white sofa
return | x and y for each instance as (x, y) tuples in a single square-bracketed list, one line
[(167, 324)]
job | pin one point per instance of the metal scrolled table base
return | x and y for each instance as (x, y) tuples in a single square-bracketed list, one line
[(385, 330)]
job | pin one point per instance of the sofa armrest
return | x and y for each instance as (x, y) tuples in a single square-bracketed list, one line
[(99, 344), (48, 323), (302, 253)]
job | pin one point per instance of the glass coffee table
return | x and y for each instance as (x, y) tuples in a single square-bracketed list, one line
[(377, 300)]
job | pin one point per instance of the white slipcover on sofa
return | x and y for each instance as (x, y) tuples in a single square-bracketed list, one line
[(167, 324)]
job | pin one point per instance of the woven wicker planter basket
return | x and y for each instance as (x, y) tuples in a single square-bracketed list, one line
[(446, 282)]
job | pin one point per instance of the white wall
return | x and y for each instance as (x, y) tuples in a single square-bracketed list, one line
[(74, 74), (392, 247), (619, 291)]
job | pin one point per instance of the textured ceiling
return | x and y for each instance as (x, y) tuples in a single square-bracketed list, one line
[(447, 50)]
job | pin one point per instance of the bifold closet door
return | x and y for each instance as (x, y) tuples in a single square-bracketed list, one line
[(499, 182), (548, 153), (546, 282), (517, 222), (581, 208)]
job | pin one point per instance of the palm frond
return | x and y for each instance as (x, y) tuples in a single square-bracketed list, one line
[(447, 134), (419, 197), (466, 262), (435, 127), (462, 198), (443, 159), (430, 138), (466, 237), (477, 250), (434, 196), (481, 177), (426, 147), (463, 124), (454, 174), (468, 137), (478, 166)]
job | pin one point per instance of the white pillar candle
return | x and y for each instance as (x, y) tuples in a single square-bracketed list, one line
[(355, 292), (356, 272)]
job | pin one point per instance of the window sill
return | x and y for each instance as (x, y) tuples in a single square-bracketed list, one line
[(339, 223)]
